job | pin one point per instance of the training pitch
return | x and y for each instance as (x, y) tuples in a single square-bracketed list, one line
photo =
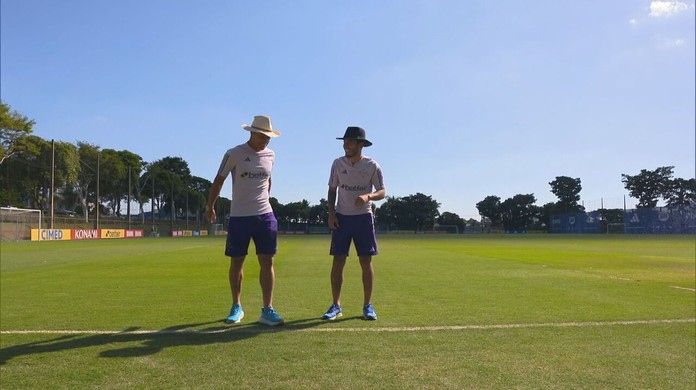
[(455, 311)]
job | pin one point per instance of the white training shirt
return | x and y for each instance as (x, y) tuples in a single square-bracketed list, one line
[(353, 181), (251, 173)]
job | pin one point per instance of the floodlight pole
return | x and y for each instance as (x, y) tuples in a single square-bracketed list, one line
[(171, 217), (53, 177), (128, 210), (152, 202), (97, 204)]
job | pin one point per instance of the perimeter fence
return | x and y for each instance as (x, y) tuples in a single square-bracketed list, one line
[(658, 220)]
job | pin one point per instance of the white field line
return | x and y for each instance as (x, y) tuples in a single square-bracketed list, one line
[(684, 288), (233, 329)]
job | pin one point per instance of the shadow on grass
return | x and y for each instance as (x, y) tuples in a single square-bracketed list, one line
[(152, 342)]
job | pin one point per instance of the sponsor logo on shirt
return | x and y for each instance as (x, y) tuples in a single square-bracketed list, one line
[(255, 175), (354, 188)]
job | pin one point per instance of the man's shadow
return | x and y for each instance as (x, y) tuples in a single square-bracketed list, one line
[(152, 342)]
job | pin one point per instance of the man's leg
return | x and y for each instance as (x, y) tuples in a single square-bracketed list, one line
[(266, 279), (368, 277), (339, 263), (236, 276)]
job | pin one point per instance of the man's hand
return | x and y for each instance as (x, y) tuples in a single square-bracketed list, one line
[(362, 200), (210, 215), (333, 221)]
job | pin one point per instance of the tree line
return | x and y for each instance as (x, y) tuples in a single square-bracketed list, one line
[(88, 180), (648, 186)]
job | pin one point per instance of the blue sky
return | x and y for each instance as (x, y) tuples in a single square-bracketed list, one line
[(462, 99)]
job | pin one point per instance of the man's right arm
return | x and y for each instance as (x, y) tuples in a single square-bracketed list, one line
[(212, 197), (331, 199)]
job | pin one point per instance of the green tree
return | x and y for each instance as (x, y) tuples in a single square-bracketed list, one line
[(681, 192), (567, 190), (85, 186), (171, 176), (134, 166), (198, 194), (415, 212), (297, 212), (648, 186), (547, 212), (451, 219), (318, 213), (13, 126), (519, 212), (28, 172), (489, 208), (113, 176), (387, 215)]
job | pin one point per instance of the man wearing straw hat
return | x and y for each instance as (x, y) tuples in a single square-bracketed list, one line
[(251, 215), (351, 181)]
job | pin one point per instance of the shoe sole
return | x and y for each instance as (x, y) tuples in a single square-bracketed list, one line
[(334, 317), (271, 323), (228, 321), (369, 318)]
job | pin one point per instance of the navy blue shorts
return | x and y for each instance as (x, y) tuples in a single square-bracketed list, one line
[(358, 228), (263, 229)]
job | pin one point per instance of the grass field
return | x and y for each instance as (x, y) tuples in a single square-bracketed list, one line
[(526, 311)]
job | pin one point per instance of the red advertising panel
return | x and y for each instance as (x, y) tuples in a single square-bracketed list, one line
[(135, 233)]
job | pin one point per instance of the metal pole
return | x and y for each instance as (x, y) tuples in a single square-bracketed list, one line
[(171, 217), (53, 178), (97, 205), (152, 202), (128, 210)]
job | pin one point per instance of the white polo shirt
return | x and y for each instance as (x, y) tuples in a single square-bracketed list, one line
[(353, 181), (251, 173)]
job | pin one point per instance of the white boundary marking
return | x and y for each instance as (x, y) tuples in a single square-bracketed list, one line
[(684, 288), (233, 329)]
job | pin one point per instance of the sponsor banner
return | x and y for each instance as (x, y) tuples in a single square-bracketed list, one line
[(188, 233), (177, 233), (50, 234), (85, 234), (113, 233), (203, 232), (135, 233)]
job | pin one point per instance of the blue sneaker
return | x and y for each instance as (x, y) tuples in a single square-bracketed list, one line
[(236, 314), (369, 312), (270, 317), (333, 312)]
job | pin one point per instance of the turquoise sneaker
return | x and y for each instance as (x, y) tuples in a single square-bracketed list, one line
[(236, 314), (333, 312), (270, 317), (369, 312)]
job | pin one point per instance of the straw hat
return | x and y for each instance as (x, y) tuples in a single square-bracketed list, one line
[(262, 124)]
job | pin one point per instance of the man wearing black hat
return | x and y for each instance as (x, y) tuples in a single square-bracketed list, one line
[(351, 182)]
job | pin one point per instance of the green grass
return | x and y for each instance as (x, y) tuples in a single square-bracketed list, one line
[(586, 312)]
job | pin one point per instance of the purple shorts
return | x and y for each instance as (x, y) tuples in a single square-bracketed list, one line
[(358, 228), (263, 229)]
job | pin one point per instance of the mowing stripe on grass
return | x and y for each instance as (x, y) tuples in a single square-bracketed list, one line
[(255, 329)]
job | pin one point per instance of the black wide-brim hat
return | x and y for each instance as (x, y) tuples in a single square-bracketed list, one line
[(357, 133)]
